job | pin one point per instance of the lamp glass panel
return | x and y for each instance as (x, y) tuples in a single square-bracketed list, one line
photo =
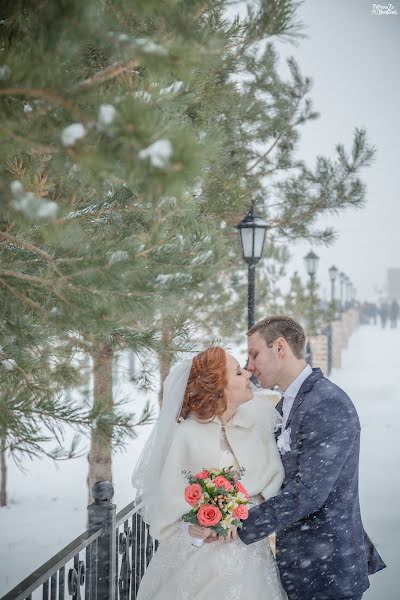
[(311, 264), (259, 237), (246, 234), (333, 273)]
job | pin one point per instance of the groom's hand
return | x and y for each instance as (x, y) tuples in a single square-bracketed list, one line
[(230, 536), (196, 531), (224, 539)]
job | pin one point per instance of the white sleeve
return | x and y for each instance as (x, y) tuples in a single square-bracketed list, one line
[(268, 421)]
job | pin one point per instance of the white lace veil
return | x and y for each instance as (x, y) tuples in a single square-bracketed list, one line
[(147, 473)]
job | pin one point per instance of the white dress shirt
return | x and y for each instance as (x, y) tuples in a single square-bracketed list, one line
[(289, 395)]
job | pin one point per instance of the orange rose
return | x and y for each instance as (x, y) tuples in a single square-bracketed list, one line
[(202, 475), (241, 512), (240, 488), (222, 482), (193, 493), (209, 515)]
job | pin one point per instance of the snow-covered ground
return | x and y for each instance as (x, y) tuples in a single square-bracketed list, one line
[(47, 504), (371, 376)]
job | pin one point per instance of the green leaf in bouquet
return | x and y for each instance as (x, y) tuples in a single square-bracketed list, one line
[(190, 517), (220, 530), (237, 523)]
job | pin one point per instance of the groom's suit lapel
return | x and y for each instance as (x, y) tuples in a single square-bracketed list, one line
[(279, 409), (279, 406), (306, 386)]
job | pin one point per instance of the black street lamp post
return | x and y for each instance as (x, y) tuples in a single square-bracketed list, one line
[(311, 260), (353, 294), (333, 271), (349, 285), (343, 277), (252, 230)]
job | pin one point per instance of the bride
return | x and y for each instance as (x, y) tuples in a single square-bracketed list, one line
[(209, 418)]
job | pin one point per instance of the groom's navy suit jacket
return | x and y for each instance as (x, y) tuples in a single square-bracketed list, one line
[(321, 547)]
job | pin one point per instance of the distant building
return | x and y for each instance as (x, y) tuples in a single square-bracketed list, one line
[(393, 283)]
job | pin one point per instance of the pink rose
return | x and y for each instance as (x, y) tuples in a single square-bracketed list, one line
[(241, 513), (222, 482), (202, 475), (209, 515), (193, 493), (240, 488)]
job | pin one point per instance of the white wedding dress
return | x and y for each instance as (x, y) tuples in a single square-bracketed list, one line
[(230, 571)]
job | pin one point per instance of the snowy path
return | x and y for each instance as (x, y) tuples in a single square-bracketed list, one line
[(371, 376), (48, 505)]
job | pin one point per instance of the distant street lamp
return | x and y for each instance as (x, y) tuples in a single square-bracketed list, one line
[(343, 278), (333, 271), (311, 260), (353, 294), (252, 230), (349, 287)]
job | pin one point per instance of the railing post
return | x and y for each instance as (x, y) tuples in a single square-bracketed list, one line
[(102, 568)]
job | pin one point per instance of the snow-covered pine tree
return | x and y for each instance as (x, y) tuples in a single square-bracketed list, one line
[(98, 162), (261, 123), (129, 154)]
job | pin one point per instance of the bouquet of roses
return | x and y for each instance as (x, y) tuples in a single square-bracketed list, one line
[(217, 498)]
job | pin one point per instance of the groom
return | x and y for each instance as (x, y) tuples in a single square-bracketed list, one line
[(322, 549)]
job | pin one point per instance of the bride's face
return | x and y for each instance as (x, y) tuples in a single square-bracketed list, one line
[(238, 390)]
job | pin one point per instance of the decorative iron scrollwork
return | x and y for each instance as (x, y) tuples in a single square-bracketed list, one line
[(124, 579), (76, 578)]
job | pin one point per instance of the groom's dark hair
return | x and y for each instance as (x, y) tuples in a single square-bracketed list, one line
[(272, 328)]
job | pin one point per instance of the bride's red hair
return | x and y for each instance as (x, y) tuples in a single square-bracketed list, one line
[(205, 392)]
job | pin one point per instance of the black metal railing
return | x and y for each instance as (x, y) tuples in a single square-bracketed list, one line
[(103, 563)]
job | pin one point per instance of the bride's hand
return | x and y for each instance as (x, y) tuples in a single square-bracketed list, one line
[(230, 536), (196, 531)]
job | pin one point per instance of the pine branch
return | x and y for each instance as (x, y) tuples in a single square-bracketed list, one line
[(27, 246), (109, 73), (50, 95), (30, 303), (263, 156), (25, 277)]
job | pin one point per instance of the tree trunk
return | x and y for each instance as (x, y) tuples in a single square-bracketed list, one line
[(99, 457), (3, 473), (164, 357)]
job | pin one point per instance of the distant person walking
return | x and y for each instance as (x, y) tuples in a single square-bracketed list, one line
[(384, 314), (394, 313), (374, 313)]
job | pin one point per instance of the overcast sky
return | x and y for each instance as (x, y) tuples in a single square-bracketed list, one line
[(353, 58)]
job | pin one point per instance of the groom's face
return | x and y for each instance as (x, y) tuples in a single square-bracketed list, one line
[(263, 361)]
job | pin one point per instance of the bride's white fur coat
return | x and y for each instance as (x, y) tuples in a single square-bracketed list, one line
[(196, 446)]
